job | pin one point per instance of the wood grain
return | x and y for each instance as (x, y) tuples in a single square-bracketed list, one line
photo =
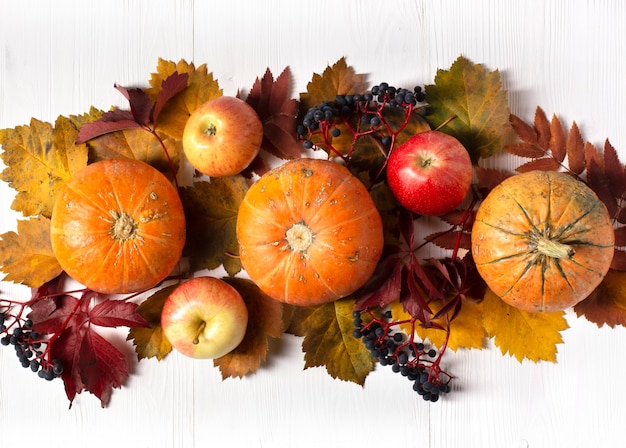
[(60, 58)]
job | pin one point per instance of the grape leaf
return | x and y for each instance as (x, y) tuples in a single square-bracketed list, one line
[(40, 158), (277, 111), (328, 340), (607, 303), (265, 321), (521, 334), (137, 144), (474, 96), (26, 256), (338, 79), (89, 361), (200, 87), (150, 342), (211, 214)]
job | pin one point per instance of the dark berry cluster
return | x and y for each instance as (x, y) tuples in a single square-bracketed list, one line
[(407, 357), (368, 109), (29, 347)]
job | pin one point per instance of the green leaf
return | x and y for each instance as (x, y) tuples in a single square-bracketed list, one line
[(469, 102), (211, 213), (328, 340)]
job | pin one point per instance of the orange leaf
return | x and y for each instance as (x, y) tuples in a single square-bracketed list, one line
[(575, 150), (265, 321), (542, 126), (338, 79), (523, 149), (557, 139), (26, 256), (543, 164), (524, 131)]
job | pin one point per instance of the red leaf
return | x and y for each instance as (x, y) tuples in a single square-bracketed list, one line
[(384, 286), (614, 170), (115, 120), (599, 183), (620, 236), (66, 349), (543, 164), (523, 149), (524, 131), (619, 260), (575, 150), (542, 126), (50, 314), (170, 87), (488, 178), (102, 366), (116, 313), (450, 239), (140, 104), (277, 111), (557, 139)]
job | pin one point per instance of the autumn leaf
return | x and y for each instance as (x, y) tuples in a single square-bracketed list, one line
[(521, 334), (328, 340), (138, 144), (277, 111), (211, 213), (265, 320), (40, 158), (338, 79), (201, 87), (607, 303), (466, 329), (26, 256), (474, 98), (150, 341)]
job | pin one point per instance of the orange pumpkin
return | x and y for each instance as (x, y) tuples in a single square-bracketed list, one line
[(309, 232), (542, 241), (118, 226)]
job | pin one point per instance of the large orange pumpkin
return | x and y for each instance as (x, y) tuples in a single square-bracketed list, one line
[(542, 241), (118, 226), (309, 232)]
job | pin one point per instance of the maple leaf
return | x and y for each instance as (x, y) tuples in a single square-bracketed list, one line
[(474, 97), (40, 158), (211, 213), (200, 87), (606, 305), (26, 256), (522, 334), (150, 341), (338, 79), (90, 362), (328, 341), (265, 321), (277, 111)]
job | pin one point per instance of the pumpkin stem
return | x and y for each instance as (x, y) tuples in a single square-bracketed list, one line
[(299, 237), (201, 328), (124, 227), (553, 249)]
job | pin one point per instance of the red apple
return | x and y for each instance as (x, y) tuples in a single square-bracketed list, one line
[(430, 173), (204, 317), (222, 136)]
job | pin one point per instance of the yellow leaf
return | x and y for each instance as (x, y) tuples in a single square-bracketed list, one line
[(138, 144), (201, 87), (521, 334), (150, 342), (26, 256), (265, 320), (338, 79), (40, 158), (328, 340), (475, 98)]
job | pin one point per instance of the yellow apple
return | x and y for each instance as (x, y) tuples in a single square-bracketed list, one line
[(222, 136), (204, 317)]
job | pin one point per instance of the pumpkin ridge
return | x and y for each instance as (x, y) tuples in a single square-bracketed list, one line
[(312, 216)]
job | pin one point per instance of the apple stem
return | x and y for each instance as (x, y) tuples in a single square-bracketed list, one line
[(196, 340)]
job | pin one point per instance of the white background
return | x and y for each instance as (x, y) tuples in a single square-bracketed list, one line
[(61, 57)]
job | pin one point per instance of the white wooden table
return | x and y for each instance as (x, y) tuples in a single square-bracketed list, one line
[(569, 57)]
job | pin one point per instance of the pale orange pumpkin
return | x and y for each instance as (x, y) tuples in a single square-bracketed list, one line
[(542, 241), (309, 232), (118, 226)]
